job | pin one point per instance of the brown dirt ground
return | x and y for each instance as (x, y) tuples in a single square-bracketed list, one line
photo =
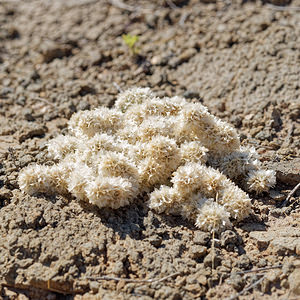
[(241, 59)]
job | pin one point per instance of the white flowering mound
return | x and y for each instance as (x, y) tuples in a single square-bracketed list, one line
[(186, 159)]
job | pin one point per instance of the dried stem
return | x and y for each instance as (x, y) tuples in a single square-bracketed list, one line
[(117, 87), (183, 18), (44, 100), (124, 6), (292, 192), (171, 4), (247, 289), (260, 269)]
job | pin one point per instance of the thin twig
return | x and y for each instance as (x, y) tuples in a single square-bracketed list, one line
[(124, 6), (134, 280), (289, 196), (283, 8), (258, 281), (71, 4), (171, 4), (247, 289), (213, 241), (260, 269), (117, 87), (213, 248), (183, 18), (44, 100), (252, 286)]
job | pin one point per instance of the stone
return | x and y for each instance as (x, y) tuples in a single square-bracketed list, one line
[(287, 172), (83, 105), (236, 281), (25, 160), (262, 238), (190, 94), (118, 268), (32, 130), (21, 100), (276, 195), (5, 194), (294, 281), (202, 279), (264, 135), (283, 241), (151, 20), (285, 245), (96, 58), (183, 57), (83, 89), (10, 294), (5, 91), (243, 262), (94, 286), (51, 51), (228, 237), (262, 263), (212, 260), (155, 240), (156, 60), (201, 238), (251, 227), (198, 252)]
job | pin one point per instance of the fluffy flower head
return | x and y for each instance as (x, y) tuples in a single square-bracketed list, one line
[(186, 159)]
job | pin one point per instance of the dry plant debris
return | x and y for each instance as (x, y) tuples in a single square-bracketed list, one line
[(189, 162)]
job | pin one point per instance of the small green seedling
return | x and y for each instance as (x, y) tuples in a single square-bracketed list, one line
[(130, 41)]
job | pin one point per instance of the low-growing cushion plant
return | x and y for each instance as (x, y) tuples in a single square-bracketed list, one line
[(189, 162)]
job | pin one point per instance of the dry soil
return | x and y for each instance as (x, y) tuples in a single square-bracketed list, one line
[(239, 58)]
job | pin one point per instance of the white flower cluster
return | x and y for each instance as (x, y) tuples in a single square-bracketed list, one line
[(187, 160)]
